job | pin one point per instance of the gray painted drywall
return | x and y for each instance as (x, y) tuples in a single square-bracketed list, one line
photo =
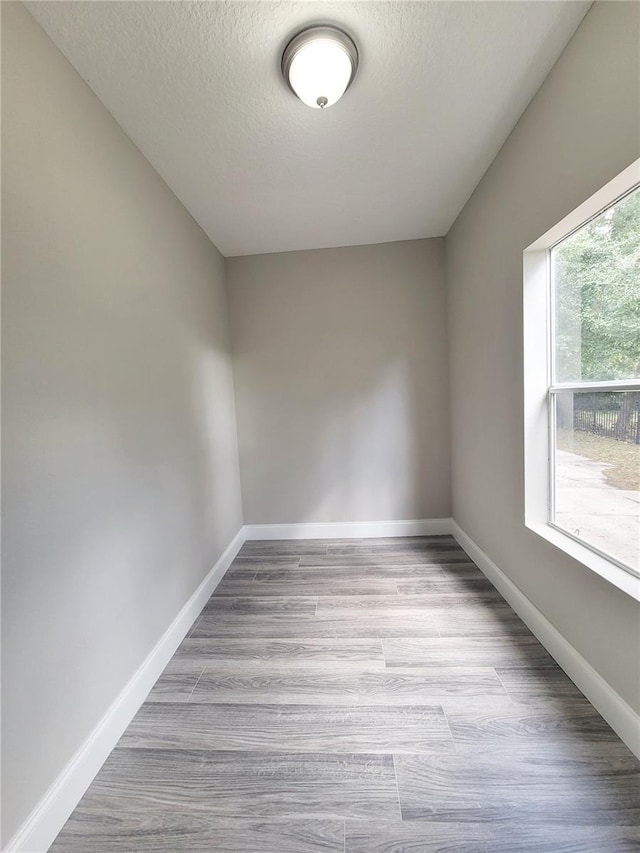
[(580, 130), (340, 368), (120, 467)]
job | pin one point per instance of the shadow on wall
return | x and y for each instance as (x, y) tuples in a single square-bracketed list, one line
[(120, 470)]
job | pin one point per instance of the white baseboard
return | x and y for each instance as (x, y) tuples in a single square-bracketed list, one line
[(349, 529), (47, 819), (609, 704)]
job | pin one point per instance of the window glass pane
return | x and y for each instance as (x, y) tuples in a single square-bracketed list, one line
[(597, 470), (596, 275)]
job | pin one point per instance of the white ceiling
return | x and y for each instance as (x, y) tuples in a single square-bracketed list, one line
[(197, 87)]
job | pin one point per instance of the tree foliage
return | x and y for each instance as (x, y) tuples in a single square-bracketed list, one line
[(597, 286)]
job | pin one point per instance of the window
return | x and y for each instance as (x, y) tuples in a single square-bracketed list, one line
[(582, 383)]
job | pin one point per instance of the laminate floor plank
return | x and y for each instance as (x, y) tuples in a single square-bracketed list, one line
[(505, 653), (279, 625), (548, 681), (460, 617), (296, 605), (236, 650), (421, 836), (469, 622), (88, 832), (345, 683), (265, 561), (357, 574), (480, 622), (243, 571), (381, 551), (524, 838), (242, 786), (361, 696), (303, 728), (177, 681), (394, 544), (463, 582), (571, 782), (434, 603), (507, 722), (284, 547), (413, 558), (415, 837), (295, 584)]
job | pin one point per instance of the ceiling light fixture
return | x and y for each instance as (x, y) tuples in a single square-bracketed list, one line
[(319, 65)]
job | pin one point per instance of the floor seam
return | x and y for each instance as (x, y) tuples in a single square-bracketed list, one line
[(384, 657), (504, 686), (395, 774), (446, 719), (196, 684)]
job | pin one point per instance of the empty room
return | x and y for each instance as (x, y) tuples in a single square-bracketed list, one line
[(320, 426)]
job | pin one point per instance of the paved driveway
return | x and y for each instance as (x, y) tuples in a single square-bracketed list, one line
[(588, 506)]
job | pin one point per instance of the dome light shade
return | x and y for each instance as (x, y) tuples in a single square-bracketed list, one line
[(319, 65)]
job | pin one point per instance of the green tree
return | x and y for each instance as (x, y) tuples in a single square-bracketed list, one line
[(597, 285)]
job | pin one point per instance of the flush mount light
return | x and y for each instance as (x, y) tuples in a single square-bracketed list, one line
[(319, 65)]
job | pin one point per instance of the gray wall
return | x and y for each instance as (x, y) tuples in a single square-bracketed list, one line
[(120, 469), (580, 130), (340, 367)]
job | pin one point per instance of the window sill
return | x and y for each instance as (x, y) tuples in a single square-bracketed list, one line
[(611, 572)]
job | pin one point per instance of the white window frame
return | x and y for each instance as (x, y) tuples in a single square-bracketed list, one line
[(540, 393)]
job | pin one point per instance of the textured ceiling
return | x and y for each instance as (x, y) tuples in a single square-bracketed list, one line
[(197, 87)]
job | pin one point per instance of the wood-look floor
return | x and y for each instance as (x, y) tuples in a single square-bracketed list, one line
[(361, 696)]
